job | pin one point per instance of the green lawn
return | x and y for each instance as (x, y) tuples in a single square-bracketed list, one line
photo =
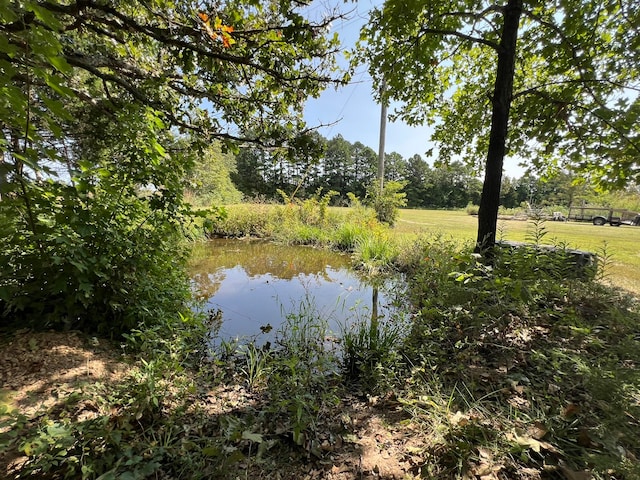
[(622, 243)]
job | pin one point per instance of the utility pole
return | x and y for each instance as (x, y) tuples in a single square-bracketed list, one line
[(383, 132)]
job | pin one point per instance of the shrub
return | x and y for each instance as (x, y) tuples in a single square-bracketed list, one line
[(90, 258), (472, 209), (387, 203)]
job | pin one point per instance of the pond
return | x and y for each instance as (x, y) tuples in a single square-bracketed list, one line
[(257, 284)]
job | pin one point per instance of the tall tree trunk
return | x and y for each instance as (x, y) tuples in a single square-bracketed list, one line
[(501, 104)]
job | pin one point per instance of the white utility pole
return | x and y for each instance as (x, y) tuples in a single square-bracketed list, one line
[(383, 132)]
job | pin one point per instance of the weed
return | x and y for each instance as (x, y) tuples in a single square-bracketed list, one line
[(347, 235), (370, 351), (256, 363), (300, 383), (375, 253)]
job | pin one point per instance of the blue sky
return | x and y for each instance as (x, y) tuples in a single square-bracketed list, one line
[(356, 113)]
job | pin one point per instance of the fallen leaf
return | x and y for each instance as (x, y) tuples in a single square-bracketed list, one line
[(524, 441), (485, 453), (254, 437), (570, 410), (584, 440), (538, 430), (459, 419), (573, 475)]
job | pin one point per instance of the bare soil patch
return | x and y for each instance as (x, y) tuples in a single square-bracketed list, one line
[(39, 370)]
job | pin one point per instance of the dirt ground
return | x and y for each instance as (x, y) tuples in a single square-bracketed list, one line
[(40, 370)]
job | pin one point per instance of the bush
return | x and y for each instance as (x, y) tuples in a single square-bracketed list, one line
[(387, 203), (472, 209), (92, 259)]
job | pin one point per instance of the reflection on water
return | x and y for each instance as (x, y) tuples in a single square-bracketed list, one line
[(257, 283)]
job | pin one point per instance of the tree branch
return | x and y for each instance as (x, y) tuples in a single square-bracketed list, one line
[(455, 33)]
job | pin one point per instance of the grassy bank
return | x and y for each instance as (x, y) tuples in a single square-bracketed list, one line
[(313, 223)]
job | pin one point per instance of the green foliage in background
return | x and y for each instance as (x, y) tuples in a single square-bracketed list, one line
[(209, 183)]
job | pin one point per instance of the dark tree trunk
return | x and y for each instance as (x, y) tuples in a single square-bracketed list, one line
[(501, 103)]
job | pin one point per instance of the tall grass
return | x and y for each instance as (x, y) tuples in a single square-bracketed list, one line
[(308, 222), (375, 252)]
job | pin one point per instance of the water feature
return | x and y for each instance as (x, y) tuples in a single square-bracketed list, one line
[(257, 284)]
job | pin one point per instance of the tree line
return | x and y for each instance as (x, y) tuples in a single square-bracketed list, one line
[(346, 167)]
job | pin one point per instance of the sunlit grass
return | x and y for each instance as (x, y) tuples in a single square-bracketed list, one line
[(621, 243)]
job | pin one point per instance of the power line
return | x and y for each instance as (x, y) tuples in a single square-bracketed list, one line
[(346, 102)]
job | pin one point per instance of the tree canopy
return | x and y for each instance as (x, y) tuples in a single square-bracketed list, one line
[(234, 71), (555, 83)]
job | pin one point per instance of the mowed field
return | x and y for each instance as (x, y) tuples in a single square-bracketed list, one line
[(621, 244)]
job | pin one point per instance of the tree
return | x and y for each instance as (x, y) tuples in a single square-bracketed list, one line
[(508, 193), (451, 186), (365, 161), (416, 177), (94, 94), (395, 167), (336, 163), (250, 177), (553, 82), (209, 183)]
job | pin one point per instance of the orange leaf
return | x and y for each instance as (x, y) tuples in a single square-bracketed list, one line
[(570, 410), (203, 16)]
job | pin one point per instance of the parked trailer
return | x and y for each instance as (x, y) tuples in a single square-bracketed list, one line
[(601, 216)]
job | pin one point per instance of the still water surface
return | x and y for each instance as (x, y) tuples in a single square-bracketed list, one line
[(256, 283)]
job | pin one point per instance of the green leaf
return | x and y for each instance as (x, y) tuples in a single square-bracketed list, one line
[(57, 108), (60, 63), (211, 451), (55, 83), (254, 437), (44, 15), (57, 430)]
